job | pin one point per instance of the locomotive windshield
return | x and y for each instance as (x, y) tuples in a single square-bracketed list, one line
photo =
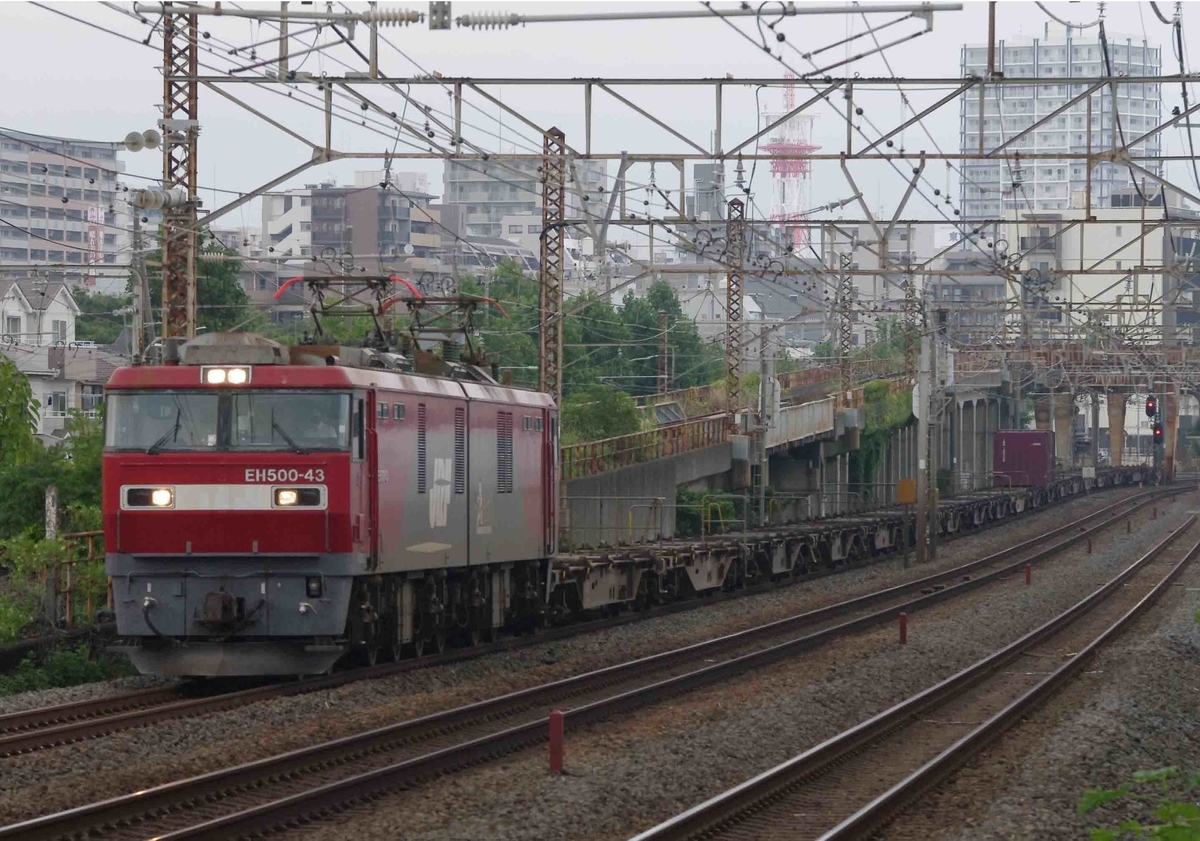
[(234, 420)]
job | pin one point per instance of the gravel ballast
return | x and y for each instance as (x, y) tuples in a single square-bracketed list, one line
[(628, 774), (64, 777), (1136, 707), (72, 694)]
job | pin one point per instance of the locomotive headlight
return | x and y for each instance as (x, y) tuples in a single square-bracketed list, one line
[(286, 496), (297, 497), (149, 498), (224, 376), (162, 497)]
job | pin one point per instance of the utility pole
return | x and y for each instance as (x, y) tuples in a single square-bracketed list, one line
[(937, 408), (924, 405), (766, 420), (180, 129), (664, 383), (141, 292)]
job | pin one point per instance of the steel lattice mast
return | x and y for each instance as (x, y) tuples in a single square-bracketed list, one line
[(180, 129), (550, 294)]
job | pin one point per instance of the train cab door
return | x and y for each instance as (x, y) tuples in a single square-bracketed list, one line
[(364, 531), (372, 477)]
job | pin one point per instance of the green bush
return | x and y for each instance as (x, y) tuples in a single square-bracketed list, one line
[(28, 559), (63, 667), (1163, 797)]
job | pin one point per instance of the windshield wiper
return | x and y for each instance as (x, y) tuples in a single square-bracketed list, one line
[(172, 433), (291, 442)]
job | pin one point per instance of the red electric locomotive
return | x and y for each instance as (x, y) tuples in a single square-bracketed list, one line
[(269, 509)]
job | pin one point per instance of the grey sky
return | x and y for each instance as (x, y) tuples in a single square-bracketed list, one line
[(64, 78)]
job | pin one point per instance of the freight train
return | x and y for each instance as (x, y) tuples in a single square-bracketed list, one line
[(270, 510)]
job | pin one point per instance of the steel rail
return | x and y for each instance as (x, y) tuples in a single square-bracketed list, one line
[(723, 814), (46, 727), (255, 777), (59, 714)]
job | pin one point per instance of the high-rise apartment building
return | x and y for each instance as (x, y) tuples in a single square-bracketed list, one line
[(989, 188), (63, 214), (491, 190)]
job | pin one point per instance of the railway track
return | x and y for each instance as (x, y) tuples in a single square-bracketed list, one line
[(263, 795), (850, 786), (46, 727)]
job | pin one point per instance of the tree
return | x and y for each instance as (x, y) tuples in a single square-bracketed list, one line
[(17, 408), (221, 302), (598, 411), (74, 466), (97, 320)]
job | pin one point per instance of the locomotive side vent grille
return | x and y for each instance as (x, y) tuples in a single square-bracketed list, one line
[(420, 448), (504, 452), (460, 451)]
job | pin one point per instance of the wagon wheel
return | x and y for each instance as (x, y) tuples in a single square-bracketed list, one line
[(476, 636), (418, 647), (439, 641)]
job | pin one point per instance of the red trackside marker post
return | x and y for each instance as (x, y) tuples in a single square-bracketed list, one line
[(556, 741), (903, 628), (1028, 574), (1089, 546), (1129, 526)]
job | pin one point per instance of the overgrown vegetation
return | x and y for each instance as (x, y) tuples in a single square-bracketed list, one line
[(695, 509), (1163, 800), (26, 469), (885, 412), (596, 412), (64, 667)]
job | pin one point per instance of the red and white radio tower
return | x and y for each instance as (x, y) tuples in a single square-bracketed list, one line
[(791, 189)]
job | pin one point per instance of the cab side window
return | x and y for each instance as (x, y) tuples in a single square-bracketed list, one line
[(356, 426)]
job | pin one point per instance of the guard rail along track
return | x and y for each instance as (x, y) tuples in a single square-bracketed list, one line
[(270, 793), (36, 729), (849, 786), (652, 572)]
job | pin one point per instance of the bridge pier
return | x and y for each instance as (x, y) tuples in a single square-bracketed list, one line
[(1064, 428), (1042, 412), (966, 467), (1116, 428)]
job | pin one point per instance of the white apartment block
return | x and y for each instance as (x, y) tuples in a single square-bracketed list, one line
[(66, 212), (1127, 270), (287, 222), (989, 189)]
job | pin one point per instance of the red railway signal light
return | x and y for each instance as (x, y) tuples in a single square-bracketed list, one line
[(1151, 407), (1157, 429)]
